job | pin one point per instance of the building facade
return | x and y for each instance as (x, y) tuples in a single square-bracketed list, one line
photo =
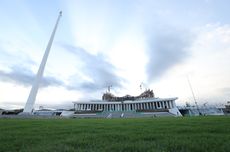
[(137, 105)]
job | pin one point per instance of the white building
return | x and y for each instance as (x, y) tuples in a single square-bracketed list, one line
[(139, 105)]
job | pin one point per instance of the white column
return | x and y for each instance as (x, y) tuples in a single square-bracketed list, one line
[(147, 105), (115, 107), (93, 107), (33, 92), (174, 104), (75, 106), (79, 106), (171, 104)]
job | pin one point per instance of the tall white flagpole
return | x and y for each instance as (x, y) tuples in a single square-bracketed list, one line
[(33, 92)]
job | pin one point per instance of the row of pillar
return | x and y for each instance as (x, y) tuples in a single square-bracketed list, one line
[(124, 106)]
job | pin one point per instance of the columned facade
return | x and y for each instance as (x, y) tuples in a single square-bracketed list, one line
[(150, 104)]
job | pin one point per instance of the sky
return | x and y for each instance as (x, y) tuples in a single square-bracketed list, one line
[(160, 45)]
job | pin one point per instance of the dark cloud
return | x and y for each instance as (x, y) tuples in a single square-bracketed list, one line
[(96, 67), (167, 47), (24, 76)]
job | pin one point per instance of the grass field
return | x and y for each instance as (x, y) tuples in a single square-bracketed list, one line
[(185, 134)]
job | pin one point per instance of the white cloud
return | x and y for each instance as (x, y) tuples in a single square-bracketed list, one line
[(207, 67), (117, 30)]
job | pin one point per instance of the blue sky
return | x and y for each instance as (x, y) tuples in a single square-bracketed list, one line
[(122, 43)]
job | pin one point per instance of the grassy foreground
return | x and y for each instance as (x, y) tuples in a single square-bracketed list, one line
[(154, 134)]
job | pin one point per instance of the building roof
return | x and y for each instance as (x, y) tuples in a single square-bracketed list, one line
[(127, 101)]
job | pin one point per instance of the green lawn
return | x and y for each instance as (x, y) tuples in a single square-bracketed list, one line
[(183, 134)]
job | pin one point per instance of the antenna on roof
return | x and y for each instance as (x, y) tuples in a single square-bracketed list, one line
[(193, 94), (109, 87), (141, 86)]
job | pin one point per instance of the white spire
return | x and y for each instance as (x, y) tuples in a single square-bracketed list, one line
[(33, 92)]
